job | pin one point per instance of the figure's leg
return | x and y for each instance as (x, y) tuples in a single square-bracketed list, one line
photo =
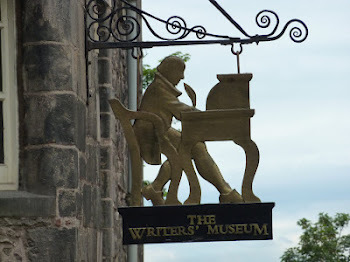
[(194, 197), (175, 175), (184, 153), (170, 170), (154, 191), (208, 169), (169, 146), (163, 176)]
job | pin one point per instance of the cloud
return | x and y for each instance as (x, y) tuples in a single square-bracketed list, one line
[(159, 253)]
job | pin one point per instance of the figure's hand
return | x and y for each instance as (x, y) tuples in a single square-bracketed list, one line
[(190, 92)]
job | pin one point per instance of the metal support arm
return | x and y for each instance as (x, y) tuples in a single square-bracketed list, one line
[(111, 26)]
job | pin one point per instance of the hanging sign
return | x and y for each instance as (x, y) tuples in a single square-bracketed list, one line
[(197, 223), (240, 215)]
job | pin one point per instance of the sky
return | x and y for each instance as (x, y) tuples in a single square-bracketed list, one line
[(301, 96)]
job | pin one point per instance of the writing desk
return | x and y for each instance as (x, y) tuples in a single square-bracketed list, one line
[(221, 125)]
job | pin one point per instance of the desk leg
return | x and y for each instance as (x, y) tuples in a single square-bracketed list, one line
[(252, 162)]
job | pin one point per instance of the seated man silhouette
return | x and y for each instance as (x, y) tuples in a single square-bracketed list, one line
[(161, 99)]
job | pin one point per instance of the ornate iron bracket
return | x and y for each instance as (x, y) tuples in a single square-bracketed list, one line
[(118, 26)]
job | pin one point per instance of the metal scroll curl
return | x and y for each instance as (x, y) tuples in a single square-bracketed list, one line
[(263, 20), (298, 33), (176, 26), (111, 22)]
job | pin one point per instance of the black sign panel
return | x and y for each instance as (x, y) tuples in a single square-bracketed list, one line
[(197, 223)]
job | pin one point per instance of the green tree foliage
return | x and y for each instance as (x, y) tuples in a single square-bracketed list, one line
[(149, 72), (323, 241)]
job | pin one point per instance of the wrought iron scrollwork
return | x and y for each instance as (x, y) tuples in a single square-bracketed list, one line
[(297, 34), (119, 26), (111, 22)]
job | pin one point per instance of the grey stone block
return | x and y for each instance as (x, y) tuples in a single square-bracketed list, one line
[(47, 168), (106, 159), (51, 244), (24, 204), (92, 116), (67, 203), (107, 127), (47, 67), (88, 245), (80, 120), (106, 185), (107, 244), (55, 119), (92, 156), (87, 205), (79, 205), (82, 168), (49, 20), (97, 209), (107, 213)]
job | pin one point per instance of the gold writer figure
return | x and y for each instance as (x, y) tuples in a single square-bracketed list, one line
[(161, 98)]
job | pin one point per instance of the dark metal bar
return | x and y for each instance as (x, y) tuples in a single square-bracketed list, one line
[(150, 44), (229, 17)]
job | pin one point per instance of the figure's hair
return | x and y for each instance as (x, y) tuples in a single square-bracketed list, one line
[(170, 64)]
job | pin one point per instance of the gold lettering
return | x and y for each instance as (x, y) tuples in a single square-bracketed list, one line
[(231, 229), (246, 231), (150, 232), (211, 220), (222, 230), (213, 230), (166, 234), (173, 231), (191, 218), (137, 233), (202, 219), (182, 231), (190, 230), (239, 229), (161, 231), (259, 231)]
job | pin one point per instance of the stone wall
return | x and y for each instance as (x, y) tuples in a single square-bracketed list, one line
[(73, 156)]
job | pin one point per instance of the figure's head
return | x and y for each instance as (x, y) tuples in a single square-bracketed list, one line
[(172, 68)]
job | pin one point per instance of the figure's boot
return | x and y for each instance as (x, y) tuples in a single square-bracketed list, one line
[(155, 196), (232, 197)]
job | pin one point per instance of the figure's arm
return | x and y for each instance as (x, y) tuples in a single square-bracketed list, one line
[(176, 107)]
